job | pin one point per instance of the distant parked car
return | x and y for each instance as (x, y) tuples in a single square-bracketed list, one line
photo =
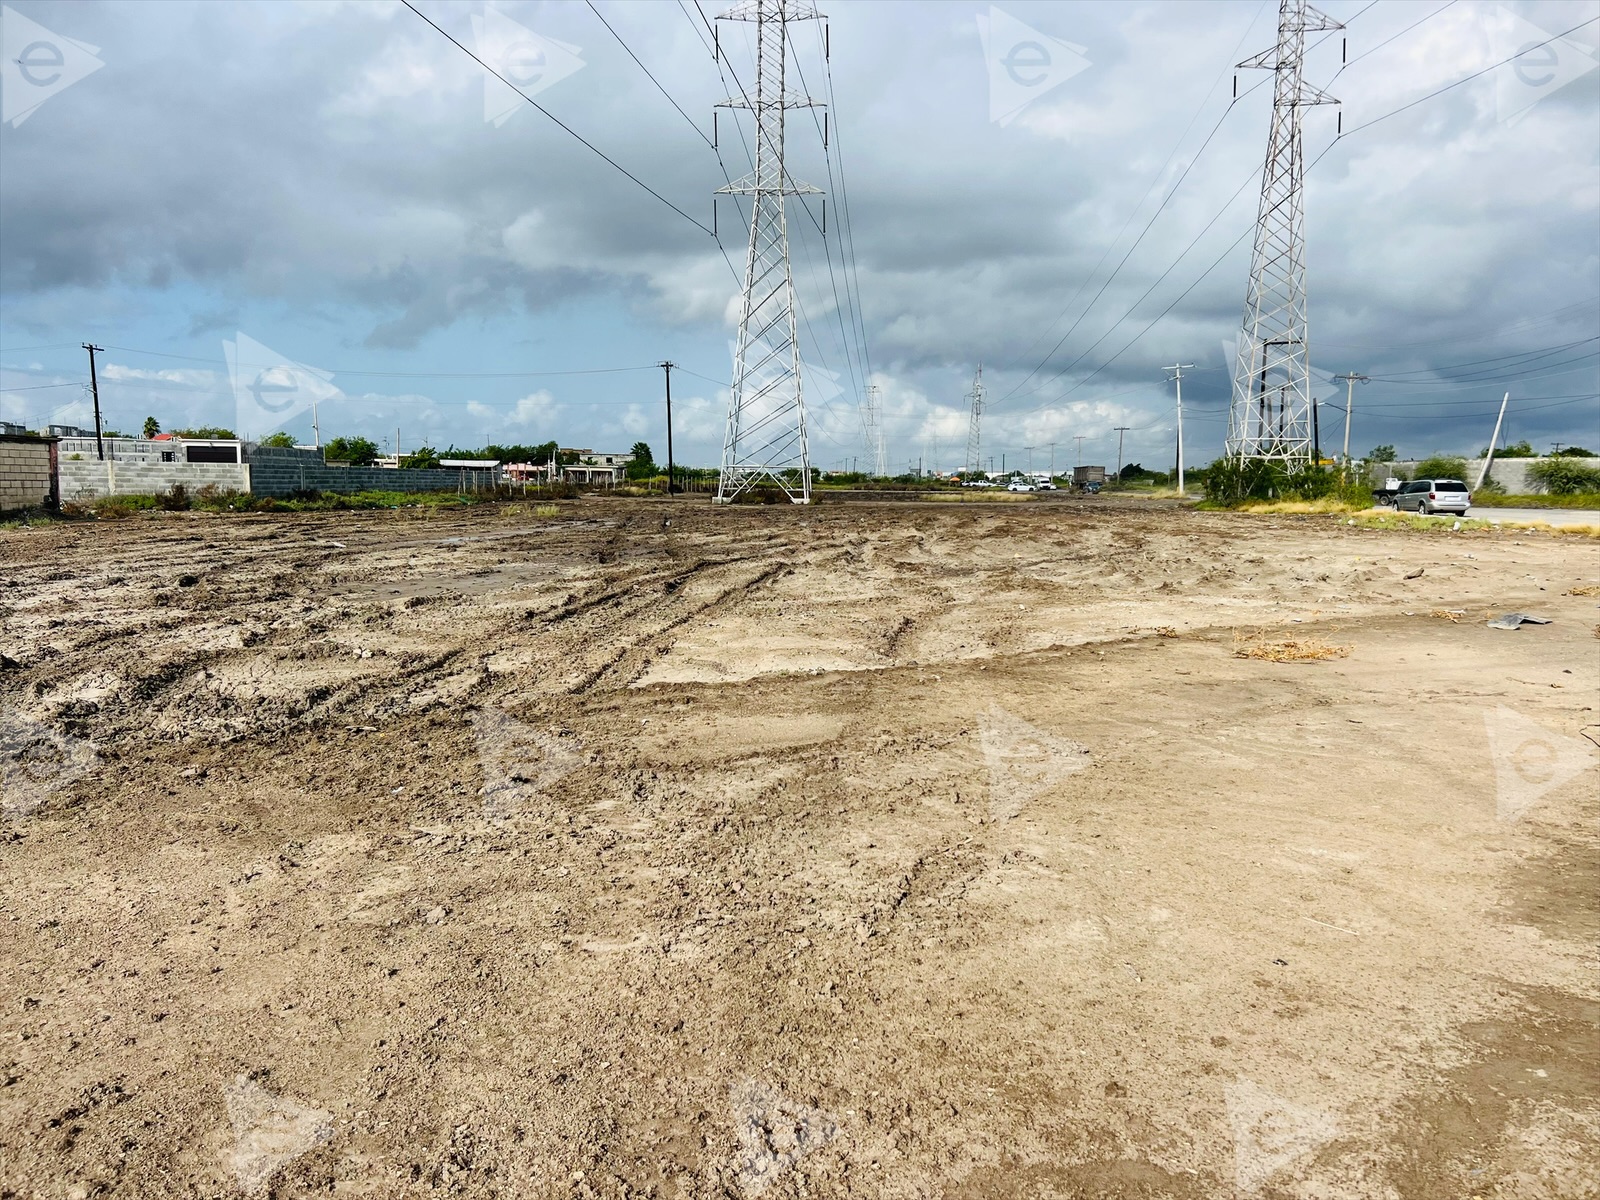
[(1429, 496), (1020, 485), (979, 483), (1046, 486)]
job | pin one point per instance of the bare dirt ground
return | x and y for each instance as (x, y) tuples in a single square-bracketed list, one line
[(895, 850)]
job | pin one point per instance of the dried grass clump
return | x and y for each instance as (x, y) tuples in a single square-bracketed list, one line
[(1166, 631), (1445, 614), (1586, 589), (1294, 650)]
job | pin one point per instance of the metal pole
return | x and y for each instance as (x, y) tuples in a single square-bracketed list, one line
[(1121, 429), (94, 386)]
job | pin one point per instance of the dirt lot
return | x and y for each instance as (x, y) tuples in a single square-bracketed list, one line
[(898, 850)]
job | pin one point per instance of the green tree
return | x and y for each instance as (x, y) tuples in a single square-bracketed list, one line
[(1572, 452), (422, 459), (151, 427), (357, 451), (643, 465), (1514, 450), (279, 440), (204, 432), (1381, 454)]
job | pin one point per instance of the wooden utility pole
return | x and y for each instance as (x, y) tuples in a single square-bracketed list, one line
[(94, 387), (667, 367)]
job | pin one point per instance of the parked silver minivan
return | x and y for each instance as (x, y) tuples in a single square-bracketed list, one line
[(1434, 496)]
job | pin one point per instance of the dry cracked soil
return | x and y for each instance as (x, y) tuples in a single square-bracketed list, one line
[(872, 850)]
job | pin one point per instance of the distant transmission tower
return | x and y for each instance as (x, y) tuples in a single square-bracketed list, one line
[(766, 435), (1271, 414), (872, 427), (974, 463)]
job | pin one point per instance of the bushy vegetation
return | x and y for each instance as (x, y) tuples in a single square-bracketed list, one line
[(357, 451), (1565, 476), (279, 441), (1233, 483), (1441, 466)]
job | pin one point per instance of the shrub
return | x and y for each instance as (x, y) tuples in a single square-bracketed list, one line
[(176, 500), (1565, 476), (1231, 482), (1441, 466)]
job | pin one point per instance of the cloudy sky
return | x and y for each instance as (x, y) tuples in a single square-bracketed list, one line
[(339, 186)]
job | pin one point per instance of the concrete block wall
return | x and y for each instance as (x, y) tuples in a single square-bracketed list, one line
[(26, 480), (1509, 473), (85, 479), (281, 472)]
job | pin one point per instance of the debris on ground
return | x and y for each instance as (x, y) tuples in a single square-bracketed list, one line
[(1449, 614), (1293, 650), (1514, 619), (1415, 574)]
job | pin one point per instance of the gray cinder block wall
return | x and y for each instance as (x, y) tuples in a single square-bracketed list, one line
[(87, 478), (1509, 473), (27, 472), (282, 472)]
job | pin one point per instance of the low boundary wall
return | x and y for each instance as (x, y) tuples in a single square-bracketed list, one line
[(282, 472), (85, 479)]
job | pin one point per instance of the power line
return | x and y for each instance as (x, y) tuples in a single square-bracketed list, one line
[(563, 125)]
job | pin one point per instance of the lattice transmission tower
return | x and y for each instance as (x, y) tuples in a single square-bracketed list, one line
[(975, 397), (1271, 414), (766, 435), (872, 430)]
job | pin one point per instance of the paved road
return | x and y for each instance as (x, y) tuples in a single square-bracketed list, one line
[(1551, 516)]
